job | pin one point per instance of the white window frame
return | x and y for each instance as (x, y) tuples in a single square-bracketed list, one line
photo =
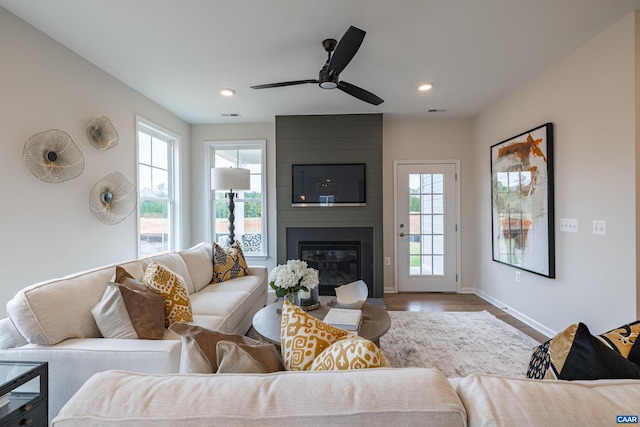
[(173, 195), (260, 144)]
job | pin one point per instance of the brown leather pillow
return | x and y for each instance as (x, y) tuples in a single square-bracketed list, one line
[(199, 351), (145, 307), (241, 358)]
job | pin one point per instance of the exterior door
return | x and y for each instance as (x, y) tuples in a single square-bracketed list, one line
[(426, 228)]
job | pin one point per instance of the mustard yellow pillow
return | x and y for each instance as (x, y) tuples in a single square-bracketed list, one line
[(228, 263), (161, 280), (350, 353), (304, 337)]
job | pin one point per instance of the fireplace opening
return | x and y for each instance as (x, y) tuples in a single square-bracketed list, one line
[(338, 263)]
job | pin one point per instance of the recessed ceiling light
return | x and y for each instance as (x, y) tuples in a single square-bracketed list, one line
[(227, 92), (425, 87)]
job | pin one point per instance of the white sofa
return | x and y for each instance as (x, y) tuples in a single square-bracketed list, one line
[(367, 397), (52, 321)]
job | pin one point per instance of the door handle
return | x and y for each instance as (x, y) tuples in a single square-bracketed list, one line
[(402, 234)]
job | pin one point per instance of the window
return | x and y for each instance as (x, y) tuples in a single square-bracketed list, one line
[(250, 223), (156, 201)]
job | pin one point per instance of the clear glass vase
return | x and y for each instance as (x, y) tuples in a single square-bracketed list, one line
[(293, 298)]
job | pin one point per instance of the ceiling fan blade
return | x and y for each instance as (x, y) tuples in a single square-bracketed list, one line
[(359, 93), (346, 50), (291, 83)]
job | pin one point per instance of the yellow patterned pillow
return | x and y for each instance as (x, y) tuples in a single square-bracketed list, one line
[(228, 263), (304, 337), (350, 353), (161, 280)]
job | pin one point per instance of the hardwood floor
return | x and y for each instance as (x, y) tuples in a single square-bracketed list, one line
[(436, 301)]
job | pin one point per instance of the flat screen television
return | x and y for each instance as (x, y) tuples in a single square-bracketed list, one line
[(329, 184)]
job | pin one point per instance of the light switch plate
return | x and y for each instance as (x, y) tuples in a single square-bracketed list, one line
[(569, 225), (599, 227)]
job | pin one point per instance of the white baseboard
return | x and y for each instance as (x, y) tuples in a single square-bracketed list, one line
[(515, 313)]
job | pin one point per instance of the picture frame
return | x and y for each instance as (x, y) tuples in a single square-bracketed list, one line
[(522, 208)]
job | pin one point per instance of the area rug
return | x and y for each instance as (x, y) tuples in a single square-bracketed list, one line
[(457, 343)]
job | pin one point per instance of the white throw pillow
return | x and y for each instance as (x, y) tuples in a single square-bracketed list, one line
[(111, 315)]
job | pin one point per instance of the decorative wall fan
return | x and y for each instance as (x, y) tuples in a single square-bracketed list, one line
[(112, 199), (101, 133), (52, 156)]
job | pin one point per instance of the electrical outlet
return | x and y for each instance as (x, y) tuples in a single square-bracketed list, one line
[(387, 260), (517, 276)]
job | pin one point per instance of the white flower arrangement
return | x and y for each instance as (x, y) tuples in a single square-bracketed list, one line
[(293, 276)]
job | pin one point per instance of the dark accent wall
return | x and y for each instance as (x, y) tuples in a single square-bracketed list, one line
[(351, 138)]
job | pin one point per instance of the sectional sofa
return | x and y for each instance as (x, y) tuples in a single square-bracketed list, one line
[(52, 321), (96, 381), (367, 397)]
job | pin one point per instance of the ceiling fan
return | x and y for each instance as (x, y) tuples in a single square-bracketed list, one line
[(339, 56)]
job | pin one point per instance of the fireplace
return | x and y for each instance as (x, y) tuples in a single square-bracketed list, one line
[(340, 254), (337, 262)]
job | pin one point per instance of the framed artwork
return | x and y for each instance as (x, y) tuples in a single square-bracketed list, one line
[(522, 201)]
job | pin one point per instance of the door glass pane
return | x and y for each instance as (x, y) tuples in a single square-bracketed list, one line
[(438, 245), (414, 224), (427, 265), (438, 183), (438, 204), (427, 228), (414, 265), (438, 224), (438, 265), (427, 247), (414, 183), (427, 204), (426, 224), (414, 245)]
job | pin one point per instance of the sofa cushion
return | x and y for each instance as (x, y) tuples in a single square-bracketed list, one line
[(228, 263), (54, 310), (303, 337), (350, 353), (159, 279), (499, 401), (198, 260), (199, 349), (376, 397), (575, 354)]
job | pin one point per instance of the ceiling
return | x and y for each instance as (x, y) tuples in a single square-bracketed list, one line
[(179, 54)]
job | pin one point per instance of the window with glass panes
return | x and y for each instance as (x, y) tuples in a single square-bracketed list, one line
[(155, 188), (249, 222)]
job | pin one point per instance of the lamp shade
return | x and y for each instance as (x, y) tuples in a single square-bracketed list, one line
[(230, 179)]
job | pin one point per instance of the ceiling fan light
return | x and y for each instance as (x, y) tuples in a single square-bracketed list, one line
[(227, 92), (424, 87), (328, 85)]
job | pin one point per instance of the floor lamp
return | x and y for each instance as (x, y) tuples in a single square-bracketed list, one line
[(230, 179)]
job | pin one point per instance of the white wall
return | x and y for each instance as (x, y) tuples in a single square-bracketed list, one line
[(590, 98), (430, 140), (232, 132), (46, 230)]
